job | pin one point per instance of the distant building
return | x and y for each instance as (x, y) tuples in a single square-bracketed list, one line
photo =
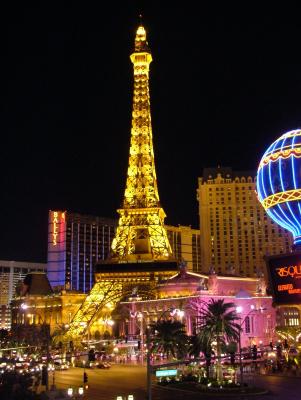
[(37, 309), (77, 242), (185, 244), (11, 274), (236, 232)]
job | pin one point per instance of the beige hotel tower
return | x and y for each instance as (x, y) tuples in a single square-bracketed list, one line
[(236, 233)]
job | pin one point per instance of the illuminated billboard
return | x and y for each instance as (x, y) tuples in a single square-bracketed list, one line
[(285, 278)]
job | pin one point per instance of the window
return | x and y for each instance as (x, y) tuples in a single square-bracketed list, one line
[(247, 325)]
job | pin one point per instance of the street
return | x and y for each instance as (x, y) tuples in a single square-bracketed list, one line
[(122, 380)]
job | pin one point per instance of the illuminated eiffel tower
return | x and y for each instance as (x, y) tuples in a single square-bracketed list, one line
[(141, 233), (141, 252)]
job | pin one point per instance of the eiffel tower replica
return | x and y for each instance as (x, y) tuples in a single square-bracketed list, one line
[(141, 253)]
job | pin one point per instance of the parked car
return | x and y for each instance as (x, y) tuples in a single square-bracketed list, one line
[(58, 366), (104, 365)]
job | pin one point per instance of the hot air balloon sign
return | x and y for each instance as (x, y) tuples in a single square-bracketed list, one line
[(279, 183)]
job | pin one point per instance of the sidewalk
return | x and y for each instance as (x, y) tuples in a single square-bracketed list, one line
[(286, 374)]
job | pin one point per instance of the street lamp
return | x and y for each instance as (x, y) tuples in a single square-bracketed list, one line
[(239, 309), (148, 365), (139, 315), (25, 307)]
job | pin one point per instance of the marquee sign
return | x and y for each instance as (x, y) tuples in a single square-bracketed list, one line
[(285, 278)]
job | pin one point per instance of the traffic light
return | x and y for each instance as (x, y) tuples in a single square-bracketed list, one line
[(44, 375), (139, 344), (208, 358), (91, 355), (279, 350), (85, 377), (254, 352)]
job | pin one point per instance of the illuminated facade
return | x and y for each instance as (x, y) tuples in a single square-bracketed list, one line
[(38, 305), (279, 182), (188, 292), (236, 233), (11, 274), (75, 244)]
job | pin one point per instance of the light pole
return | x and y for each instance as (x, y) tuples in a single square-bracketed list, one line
[(148, 365), (139, 315)]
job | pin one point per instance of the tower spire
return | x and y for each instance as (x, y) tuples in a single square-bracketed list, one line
[(141, 233)]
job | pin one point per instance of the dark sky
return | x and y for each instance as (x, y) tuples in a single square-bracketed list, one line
[(224, 85)]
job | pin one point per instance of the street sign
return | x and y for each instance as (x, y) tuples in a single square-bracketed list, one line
[(166, 372)]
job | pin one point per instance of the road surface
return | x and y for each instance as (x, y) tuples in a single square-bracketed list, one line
[(123, 380)]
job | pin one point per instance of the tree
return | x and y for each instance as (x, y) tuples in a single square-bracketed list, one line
[(199, 345), (217, 325), (169, 338)]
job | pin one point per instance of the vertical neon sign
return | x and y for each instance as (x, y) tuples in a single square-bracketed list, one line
[(55, 222)]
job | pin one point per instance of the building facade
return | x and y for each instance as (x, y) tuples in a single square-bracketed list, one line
[(37, 306), (186, 294), (11, 274), (236, 232), (76, 243), (185, 244)]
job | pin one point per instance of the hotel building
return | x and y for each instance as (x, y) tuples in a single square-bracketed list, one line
[(185, 244), (236, 232), (12, 274), (75, 244)]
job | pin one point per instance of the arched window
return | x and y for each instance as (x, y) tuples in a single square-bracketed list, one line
[(247, 325)]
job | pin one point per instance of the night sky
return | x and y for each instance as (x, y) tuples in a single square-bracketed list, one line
[(224, 84)]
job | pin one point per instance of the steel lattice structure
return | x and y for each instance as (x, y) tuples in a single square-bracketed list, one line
[(100, 296), (141, 222)]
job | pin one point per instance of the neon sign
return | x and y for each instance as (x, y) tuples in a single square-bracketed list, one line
[(293, 270), (285, 278), (279, 184), (55, 222)]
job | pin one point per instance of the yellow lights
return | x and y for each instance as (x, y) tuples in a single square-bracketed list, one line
[(283, 153), (141, 32), (102, 294), (106, 321), (141, 232), (55, 221), (281, 197)]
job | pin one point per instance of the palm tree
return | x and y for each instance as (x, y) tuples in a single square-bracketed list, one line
[(169, 338), (199, 345), (218, 325)]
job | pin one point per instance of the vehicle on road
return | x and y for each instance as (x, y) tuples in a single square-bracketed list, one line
[(103, 365)]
